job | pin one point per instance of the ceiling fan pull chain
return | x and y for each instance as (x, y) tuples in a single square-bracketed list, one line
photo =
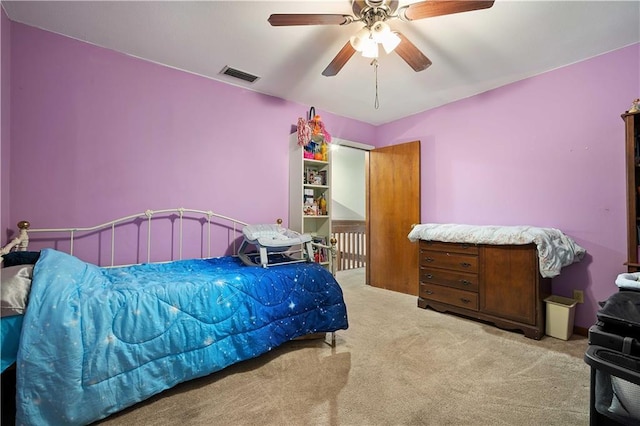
[(376, 103)]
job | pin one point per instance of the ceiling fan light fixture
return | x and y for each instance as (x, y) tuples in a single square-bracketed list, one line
[(370, 48), (359, 39), (390, 42), (374, 14), (382, 34), (379, 30)]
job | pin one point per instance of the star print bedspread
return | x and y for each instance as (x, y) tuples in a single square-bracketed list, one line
[(96, 340)]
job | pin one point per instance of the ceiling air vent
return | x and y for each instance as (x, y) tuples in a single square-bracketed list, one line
[(232, 72)]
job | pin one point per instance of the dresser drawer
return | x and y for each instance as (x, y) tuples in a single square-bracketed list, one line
[(449, 260), (461, 280), (450, 296), (463, 248)]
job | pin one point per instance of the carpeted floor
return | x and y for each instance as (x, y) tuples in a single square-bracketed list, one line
[(395, 365)]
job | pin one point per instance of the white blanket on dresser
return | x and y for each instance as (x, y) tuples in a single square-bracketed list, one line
[(555, 249)]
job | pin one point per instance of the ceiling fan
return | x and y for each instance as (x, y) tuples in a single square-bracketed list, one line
[(373, 14)]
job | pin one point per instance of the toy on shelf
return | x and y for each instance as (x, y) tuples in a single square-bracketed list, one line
[(312, 130)]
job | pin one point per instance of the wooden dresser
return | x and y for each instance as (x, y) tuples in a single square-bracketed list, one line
[(500, 284)]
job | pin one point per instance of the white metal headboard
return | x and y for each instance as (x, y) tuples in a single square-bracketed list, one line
[(21, 242)]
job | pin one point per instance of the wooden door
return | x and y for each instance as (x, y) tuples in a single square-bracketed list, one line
[(393, 205)]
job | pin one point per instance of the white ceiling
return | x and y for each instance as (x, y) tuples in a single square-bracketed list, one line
[(471, 52)]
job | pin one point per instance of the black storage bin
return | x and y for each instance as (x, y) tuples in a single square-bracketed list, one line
[(614, 357)]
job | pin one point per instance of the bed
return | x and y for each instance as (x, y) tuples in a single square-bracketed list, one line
[(96, 339)]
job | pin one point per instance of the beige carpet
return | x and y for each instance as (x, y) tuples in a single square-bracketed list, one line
[(395, 365)]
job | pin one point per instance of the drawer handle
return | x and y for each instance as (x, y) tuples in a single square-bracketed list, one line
[(465, 265), (428, 292), (429, 259), (465, 282), (463, 300), (429, 276)]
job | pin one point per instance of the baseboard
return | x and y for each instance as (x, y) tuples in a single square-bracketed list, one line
[(581, 331)]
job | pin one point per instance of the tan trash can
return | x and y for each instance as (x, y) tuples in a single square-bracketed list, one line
[(560, 316)]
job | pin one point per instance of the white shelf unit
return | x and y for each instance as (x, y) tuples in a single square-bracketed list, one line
[(318, 225)]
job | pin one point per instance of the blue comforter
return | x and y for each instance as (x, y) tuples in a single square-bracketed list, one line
[(96, 340)]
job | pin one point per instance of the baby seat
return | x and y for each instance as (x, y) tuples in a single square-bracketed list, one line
[(274, 246)]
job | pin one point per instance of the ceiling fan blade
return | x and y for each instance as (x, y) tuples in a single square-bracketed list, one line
[(430, 8), (411, 55), (286, 19), (338, 62)]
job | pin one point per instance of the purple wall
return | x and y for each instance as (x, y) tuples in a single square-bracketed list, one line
[(5, 122), (105, 135), (546, 151)]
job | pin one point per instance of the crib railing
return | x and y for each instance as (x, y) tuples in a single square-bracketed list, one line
[(350, 238)]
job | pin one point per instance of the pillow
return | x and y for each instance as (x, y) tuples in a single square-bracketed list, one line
[(20, 258), (15, 284)]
